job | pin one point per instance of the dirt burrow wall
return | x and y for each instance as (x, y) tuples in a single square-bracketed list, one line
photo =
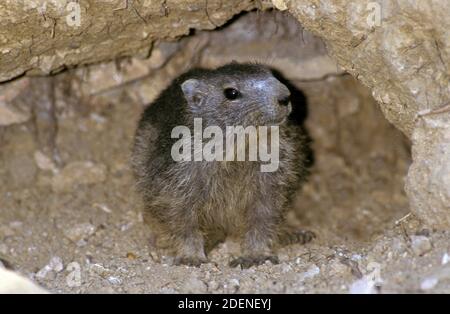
[(40, 36), (399, 49)]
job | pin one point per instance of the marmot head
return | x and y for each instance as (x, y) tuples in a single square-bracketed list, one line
[(236, 94)]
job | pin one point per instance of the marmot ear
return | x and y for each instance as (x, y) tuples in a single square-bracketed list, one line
[(193, 91)]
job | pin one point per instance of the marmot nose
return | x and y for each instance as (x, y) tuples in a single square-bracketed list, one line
[(284, 101)]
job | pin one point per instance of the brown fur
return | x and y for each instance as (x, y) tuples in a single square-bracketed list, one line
[(189, 200)]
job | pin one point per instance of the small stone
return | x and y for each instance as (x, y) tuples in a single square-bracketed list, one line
[(336, 268), (234, 285), (131, 256), (100, 270), (56, 264), (114, 280), (234, 282), (43, 272), (445, 259), (126, 226), (356, 257), (312, 271), (81, 242), (49, 271), (44, 162), (80, 232), (102, 207), (279, 4), (286, 268), (420, 244), (194, 285), (78, 173), (364, 285), (429, 283)]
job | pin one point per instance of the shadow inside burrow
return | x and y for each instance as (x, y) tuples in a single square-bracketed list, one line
[(298, 115)]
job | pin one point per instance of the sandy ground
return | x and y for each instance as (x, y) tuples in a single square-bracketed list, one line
[(76, 227)]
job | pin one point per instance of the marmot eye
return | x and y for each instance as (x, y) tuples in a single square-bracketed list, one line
[(231, 93)]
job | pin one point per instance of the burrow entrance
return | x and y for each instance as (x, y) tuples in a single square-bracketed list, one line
[(67, 190)]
